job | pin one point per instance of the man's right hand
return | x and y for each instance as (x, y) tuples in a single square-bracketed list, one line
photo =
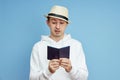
[(54, 65)]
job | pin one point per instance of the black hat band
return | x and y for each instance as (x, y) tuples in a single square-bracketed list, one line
[(57, 15)]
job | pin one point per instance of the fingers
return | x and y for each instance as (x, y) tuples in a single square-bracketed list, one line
[(54, 65), (63, 62), (66, 64)]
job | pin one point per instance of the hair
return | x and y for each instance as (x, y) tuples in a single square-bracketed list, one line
[(48, 18)]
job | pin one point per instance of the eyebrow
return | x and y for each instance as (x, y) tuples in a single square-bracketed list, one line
[(53, 19)]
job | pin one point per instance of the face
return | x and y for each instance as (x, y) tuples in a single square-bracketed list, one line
[(57, 27)]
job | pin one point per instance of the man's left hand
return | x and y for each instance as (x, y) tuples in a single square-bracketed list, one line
[(66, 64)]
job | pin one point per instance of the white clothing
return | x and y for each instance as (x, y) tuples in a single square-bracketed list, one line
[(39, 63)]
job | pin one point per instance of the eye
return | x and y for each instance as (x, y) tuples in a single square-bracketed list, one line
[(54, 23), (61, 22)]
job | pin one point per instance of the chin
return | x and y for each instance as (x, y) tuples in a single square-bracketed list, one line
[(58, 35)]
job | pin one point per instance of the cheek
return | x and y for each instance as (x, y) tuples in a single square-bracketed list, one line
[(52, 28), (64, 28)]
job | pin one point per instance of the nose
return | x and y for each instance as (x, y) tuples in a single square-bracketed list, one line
[(57, 25)]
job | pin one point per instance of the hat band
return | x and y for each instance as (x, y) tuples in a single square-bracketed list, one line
[(57, 15)]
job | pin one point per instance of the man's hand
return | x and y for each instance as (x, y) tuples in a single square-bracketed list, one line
[(66, 64), (54, 65)]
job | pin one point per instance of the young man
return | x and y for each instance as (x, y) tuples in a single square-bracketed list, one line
[(72, 68)]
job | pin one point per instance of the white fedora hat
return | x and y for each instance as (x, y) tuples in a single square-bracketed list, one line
[(59, 12)]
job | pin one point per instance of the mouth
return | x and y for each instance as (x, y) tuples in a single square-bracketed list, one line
[(57, 31)]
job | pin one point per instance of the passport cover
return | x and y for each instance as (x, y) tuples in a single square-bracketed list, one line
[(56, 53)]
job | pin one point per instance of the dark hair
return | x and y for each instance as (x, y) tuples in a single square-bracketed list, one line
[(48, 18)]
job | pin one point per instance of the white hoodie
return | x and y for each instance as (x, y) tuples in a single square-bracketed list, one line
[(39, 63)]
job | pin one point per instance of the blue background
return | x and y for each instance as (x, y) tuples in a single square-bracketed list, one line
[(96, 23)]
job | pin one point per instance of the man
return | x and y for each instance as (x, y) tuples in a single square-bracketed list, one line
[(72, 68)]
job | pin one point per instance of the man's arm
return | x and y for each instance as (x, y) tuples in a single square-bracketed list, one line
[(36, 71), (79, 71)]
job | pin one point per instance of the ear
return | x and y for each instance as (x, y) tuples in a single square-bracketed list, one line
[(47, 22)]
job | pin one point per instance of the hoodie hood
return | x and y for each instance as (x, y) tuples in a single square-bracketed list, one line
[(51, 42)]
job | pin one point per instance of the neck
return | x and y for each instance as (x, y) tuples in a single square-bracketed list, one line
[(57, 38)]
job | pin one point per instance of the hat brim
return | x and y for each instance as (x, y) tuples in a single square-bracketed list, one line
[(57, 18)]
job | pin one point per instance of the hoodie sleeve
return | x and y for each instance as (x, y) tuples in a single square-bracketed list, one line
[(36, 71), (79, 71)]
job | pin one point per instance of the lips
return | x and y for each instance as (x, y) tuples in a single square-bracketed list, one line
[(57, 31)]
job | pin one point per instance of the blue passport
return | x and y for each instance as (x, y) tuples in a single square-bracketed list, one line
[(56, 53)]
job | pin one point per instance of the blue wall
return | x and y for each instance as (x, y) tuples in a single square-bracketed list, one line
[(95, 23)]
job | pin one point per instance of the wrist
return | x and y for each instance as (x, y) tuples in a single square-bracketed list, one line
[(69, 69)]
